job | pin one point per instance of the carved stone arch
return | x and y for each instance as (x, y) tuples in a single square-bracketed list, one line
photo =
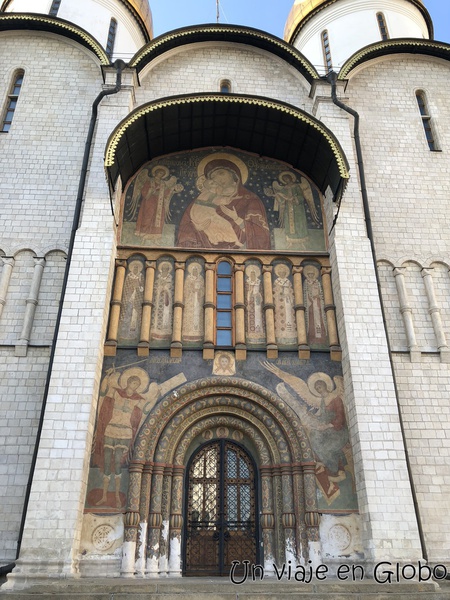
[(211, 387), (437, 260), (273, 436), (413, 260), (385, 261), (289, 518), (249, 430)]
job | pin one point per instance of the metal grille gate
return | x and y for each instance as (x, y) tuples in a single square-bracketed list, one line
[(221, 510)]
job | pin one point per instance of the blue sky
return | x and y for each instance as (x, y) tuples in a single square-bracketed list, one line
[(269, 15)]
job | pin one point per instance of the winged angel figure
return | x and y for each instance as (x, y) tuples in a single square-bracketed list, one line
[(125, 399), (150, 201), (290, 197), (318, 402)]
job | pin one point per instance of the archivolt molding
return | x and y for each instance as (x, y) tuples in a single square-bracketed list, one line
[(179, 440), (229, 394)]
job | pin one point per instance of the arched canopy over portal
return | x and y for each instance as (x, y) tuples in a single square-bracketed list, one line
[(264, 127)]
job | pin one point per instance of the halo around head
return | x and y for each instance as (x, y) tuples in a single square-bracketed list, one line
[(291, 176), (160, 168), (224, 156), (164, 262), (133, 263), (311, 269), (315, 377), (282, 270), (194, 264), (135, 372), (253, 268)]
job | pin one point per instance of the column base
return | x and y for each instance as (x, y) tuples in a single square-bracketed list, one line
[(272, 351), (304, 353), (110, 348), (176, 350), (143, 349)]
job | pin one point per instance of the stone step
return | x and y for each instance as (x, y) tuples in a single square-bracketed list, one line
[(223, 589)]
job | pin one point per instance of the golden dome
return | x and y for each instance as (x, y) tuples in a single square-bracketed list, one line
[(302, 8), (139, 8), (142, 9)]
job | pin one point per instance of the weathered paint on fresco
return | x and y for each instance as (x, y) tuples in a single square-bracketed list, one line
[(222, 199), (132, 387)]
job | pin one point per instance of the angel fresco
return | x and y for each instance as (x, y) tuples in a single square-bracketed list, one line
[(290, 196), (319, 404), (150, 201), (125, 399)]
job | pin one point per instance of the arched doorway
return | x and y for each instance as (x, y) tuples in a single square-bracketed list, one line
[(251, 419), (221, 523)]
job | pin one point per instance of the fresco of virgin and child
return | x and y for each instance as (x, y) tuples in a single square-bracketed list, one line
[(222, 199), (225, 214)]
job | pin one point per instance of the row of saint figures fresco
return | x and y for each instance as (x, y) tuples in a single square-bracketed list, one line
[(222, 200), (194, 298)]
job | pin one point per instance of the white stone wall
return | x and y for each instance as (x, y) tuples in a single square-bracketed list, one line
[(42, 156), (389, 528), (201, 68), (409, 195), (53, 528)]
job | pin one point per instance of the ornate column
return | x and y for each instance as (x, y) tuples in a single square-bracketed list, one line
[(330, 311), (269, 313), (147, 306), (289, 521), (267, 520), (209, 306), (8, 264), (435, 314), (312, 517), (176, 347), (277, 493), (406, 312), (299, 507), (176, 521), (300, 317), (30, 309), (239, 312), (132, 519), (155, 522), (165, 527), (116, 305), (144, 508)]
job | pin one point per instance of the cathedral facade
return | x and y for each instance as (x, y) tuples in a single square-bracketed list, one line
[(224, 291)]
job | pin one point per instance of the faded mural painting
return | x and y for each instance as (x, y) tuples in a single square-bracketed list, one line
[(132, 388), (177, 211), (222, 200)]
